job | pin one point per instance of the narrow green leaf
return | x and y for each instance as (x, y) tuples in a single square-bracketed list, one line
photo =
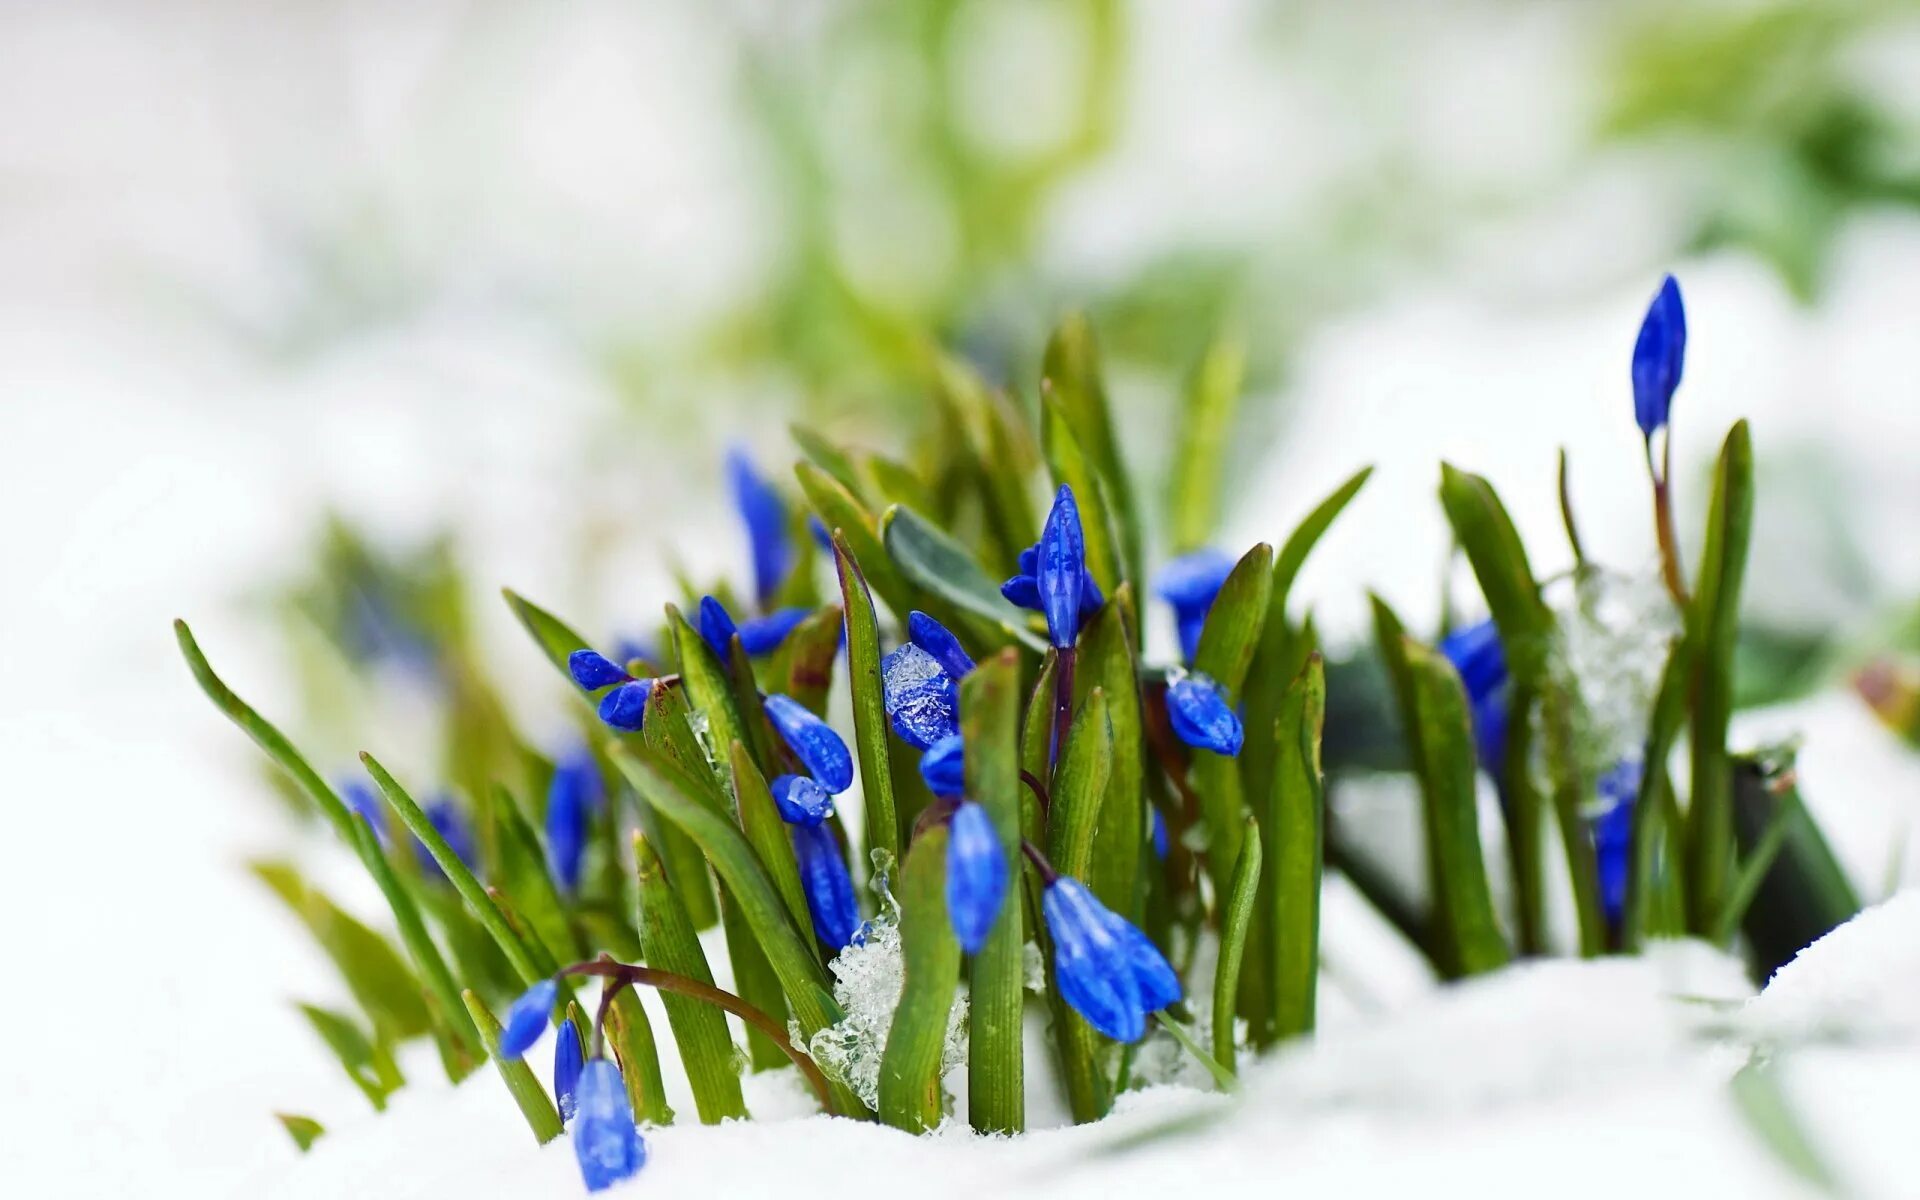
[(380, 980), (535, 1105), (1079, 789), (1001, 457), (630, 1034), (525, 877), (366, 1063), (700, 1030), (910, 1065), (1763, 1105), (1206, 428), (1227, 645), (709, 691), (1106, 661), (1221, 1076), (1713, 621), (803, 665), (869, 704), (1500, 564), (942, 567), (1072, 467), (751, 705), (668, 733), (1036, 726), (829, 458), (1071, 380), (839, 510), (768, 835), (1295, 819), (989, 723), (554, 637), (754, 982), (304, 1131), (1241, 898)]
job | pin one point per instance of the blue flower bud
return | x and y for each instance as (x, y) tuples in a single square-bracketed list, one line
[(567, 1063), (1161, 846), (605, 1141), (1062, 573), (933, 637), (829, 889), (572, 795), (1476, 654), (813, 741), (1108, 971), (763, 635), (593, 671), (976, 876), (1659, 353), (527, 1019), (717, 627), (1613, 835), (1201, 716), (1189, 584), (801, 801), (765, 516), (943, 766), (625, 707), (923, 702)]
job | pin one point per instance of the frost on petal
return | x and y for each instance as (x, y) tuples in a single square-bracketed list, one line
[(813, 741), (923, 705), (801, 801)]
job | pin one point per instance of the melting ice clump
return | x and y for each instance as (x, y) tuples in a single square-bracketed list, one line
[(1611, 636)]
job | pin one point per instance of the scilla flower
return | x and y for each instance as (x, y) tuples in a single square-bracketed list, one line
[(1201, 716), (1476, 654), (625, 705), (572, 795), (1189, 583), (1613, 835), (759, 636), (1108, 971), (921, 682), (527, 1019), (1659, 353), (813, 742), (567, 1064), (801, 800), (976, 876), (1053, 576), (605, 1141), (765, 515), (943, 766), (829, 889)]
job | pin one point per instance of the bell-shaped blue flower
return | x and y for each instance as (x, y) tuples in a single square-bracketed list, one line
[(801, 800), (572, 795), (605, 1141), (943, 766), (829, 889), (1476, 653), (1053, 577), (527, 1019), (976, 876), (1201, 716), (937, 640), (625, 707), (1613, 835), (765, 515), (1189, 584), (567, 1064), (1659, 353), (923, 701), (813, 742), (1108, 971)]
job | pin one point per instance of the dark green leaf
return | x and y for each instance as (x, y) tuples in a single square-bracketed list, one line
[(630, 1034), (869, 704), (989, 722), (839, 510), (1227, 644), (910, 1066), (1241, 898), (943, 567), (700, 1030), (1106, 661), (1294, 819), (1079, 788)]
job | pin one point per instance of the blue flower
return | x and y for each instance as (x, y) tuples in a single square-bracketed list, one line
[(765, 515), (1189, 583), (829, 889), (976, 876), (605, 1141), (365, 803), (527, 1019), (1160, 844), (1613, 835), (567, 1063), (813, 741), (717, 627), (1053, 576), (625, 706), (801, 801), (1201, 716), (1476, 654), (452, 827), (1108, 971), (943, 766), (594, 671), (934, 638), (763, 635), (572, 795), (923, 701), (1659, 353)]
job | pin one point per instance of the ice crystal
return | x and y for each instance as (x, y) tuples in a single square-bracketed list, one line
[(867, 978), (1610, 644)]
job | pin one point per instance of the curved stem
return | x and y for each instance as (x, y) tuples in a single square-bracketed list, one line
[(667, 981), (1663, 521), (1040, 863)]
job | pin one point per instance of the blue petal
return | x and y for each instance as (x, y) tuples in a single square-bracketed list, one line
[(1022, 591), (763, 635), (1190, 629), (717, 628), (593, 671), (943, 766), (1189, 583), (1201, 716), (567, 1063), (1092, 967), (801, 801), (605, 1141), (813, 741), (625, 707), (1152, 974), (1160, 844), (1062, 576), (566, 829), (1613, 835), (923, 703), (821, 537), (1659, 354), (829, 889), (452, 828), (976, 876), (933, 637), (1476, 653), (765, 515), (527, 1019), (366, 805)]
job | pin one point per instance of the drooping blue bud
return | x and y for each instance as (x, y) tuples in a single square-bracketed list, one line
[(1201, 716), (1108, 971), (717, 627), (625, 707), (527, 1019), (923, 702), (976, 876), (829, 889), (765, 516), (1189, 584), (943, 766), (1476, 653), (594, 671), (572, 795), (813, 741), (605, 1141), (801, 801), (933, 637), (567, 1064), (1613, 835), (763, 635), (1659, 354)]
